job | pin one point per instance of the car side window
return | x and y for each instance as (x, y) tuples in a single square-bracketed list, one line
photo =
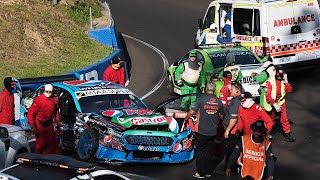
[(241, 17), (209, 19), (66, 105)]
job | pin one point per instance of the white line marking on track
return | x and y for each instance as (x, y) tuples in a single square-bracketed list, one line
[(165, 65)]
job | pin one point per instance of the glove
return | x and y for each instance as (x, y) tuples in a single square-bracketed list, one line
[(277, 107), (180, 83), (254, 74), (34, 130), (285, 78), (202, 88)]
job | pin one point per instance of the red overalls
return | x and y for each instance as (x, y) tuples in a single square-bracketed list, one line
[(41, 114), (116, 76), (6, 107), (284, 120), (247, 116)]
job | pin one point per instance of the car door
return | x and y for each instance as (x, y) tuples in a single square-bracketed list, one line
[(67, 112), (204, 24)]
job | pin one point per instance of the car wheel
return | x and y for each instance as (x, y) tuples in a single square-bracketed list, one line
[(87, 144), (171, 87)]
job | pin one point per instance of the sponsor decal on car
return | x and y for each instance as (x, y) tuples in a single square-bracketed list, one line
[(151, 120), (112, 113), (130, 112), (98, 92), (148, 148), (187, 144)]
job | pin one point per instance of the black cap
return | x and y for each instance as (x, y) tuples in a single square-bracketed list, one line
[(246, 95), (227, 74), (258, 124), (115, 60)]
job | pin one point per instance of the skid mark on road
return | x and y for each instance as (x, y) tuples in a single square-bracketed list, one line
[(165, 65)]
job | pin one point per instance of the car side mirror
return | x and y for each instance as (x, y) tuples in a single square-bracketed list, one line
[(200, 24), (4, 133)]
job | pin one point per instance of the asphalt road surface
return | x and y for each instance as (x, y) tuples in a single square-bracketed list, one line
[(170, 26)]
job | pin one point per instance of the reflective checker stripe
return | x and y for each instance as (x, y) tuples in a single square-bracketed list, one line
[(294, 46)]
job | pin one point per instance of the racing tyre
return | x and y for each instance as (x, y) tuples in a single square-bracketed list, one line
[(87, 144)]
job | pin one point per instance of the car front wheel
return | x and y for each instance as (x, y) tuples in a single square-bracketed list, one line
[(87, 144)]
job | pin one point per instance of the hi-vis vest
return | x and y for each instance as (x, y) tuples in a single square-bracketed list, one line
[(266, 105), (234, 71), (211, 38), (189, 75), (253, 157), (228, 22)]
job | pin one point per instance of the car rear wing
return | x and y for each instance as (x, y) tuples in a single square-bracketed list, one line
[(55, 160), (49, 79)]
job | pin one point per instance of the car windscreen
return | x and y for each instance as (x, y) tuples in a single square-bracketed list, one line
[(109, 101), (241, 58)]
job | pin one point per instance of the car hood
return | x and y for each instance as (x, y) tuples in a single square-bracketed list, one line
[(134, 117)]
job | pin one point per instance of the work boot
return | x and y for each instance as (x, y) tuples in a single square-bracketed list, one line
[(289, 137)]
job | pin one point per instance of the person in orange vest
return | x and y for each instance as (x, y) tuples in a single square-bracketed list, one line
[(7, 102), (249, 112), (276, 89), (254, 152)]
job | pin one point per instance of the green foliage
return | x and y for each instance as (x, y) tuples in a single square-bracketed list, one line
[(80, 12)]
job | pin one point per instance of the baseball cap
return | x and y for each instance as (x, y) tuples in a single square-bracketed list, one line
[(246, 25), (115, 60), (193, 53), (48, 87), (246, 95), (227, 74), (213, 26), (259, 124)]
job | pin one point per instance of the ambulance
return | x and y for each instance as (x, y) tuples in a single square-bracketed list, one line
[(288, 31)]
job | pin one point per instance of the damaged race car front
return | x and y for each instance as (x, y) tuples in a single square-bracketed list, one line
[(132, 135)]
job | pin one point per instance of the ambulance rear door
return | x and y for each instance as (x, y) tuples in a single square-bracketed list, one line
[(306, 14), (211, 17), (281, 32), (249, 14)]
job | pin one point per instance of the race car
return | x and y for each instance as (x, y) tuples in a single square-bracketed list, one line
[(106, 121), (213, 58)]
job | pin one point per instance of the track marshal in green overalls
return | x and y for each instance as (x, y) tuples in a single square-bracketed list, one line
[(188, 75)]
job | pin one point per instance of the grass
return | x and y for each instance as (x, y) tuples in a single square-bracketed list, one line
[(38, 39)]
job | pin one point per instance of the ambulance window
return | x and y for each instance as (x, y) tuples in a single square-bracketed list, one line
[(209, 17), (256, 30), (241, 17)]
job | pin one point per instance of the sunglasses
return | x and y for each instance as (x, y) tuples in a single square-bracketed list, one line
[(49, 92)]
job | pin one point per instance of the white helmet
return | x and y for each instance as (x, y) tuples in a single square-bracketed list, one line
[(213, 26), (246, 25)]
